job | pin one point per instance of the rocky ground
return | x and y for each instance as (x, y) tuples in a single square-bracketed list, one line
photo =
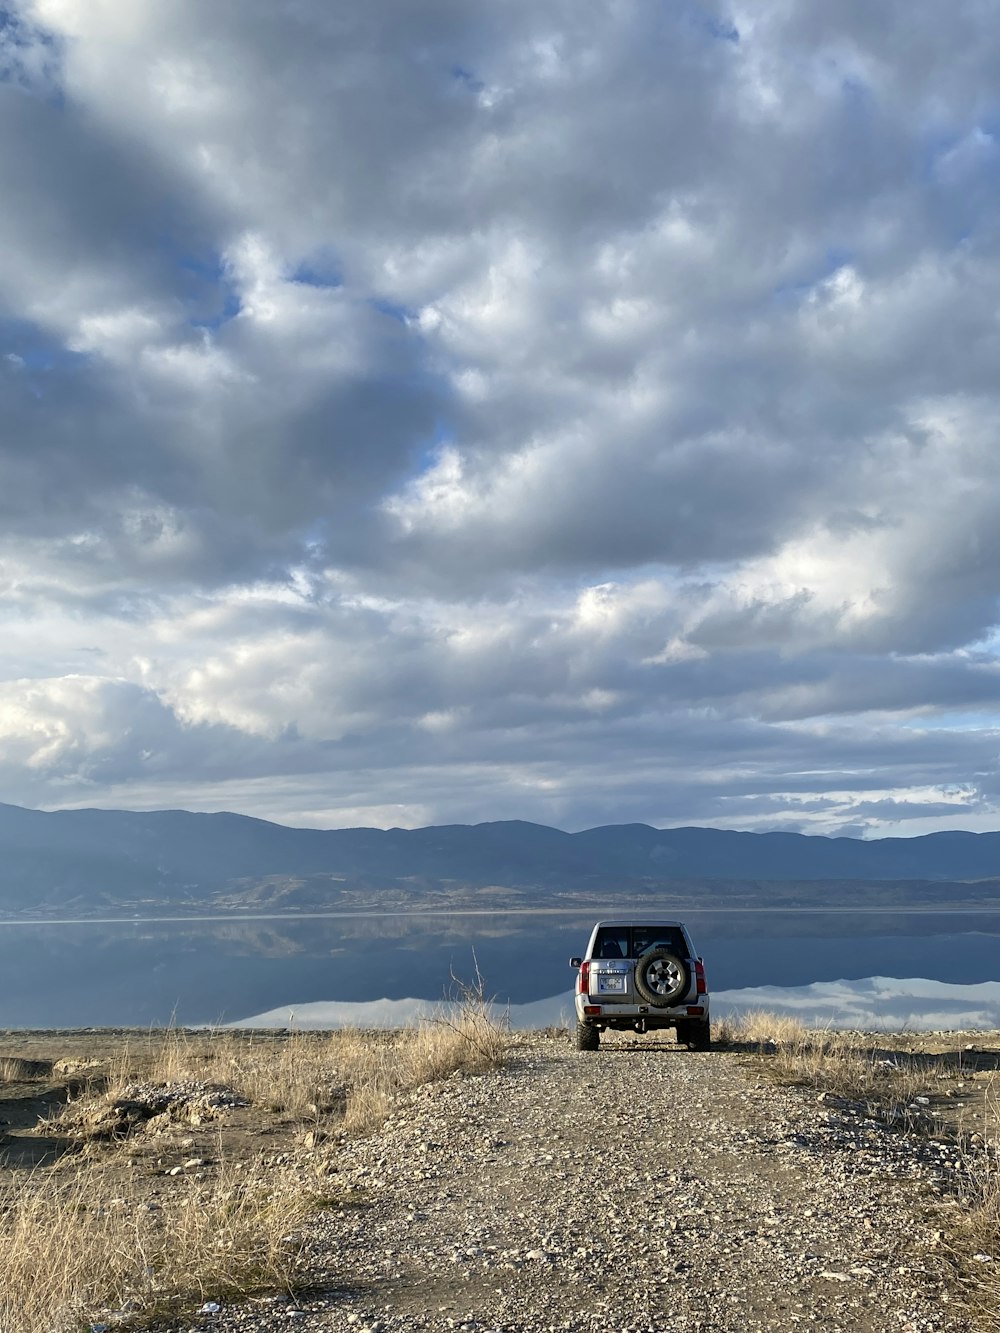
[(643, 1187)]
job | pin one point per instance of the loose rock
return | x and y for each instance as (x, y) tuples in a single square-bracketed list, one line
[(641, 1189)]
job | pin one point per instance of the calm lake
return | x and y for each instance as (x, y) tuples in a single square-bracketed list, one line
[(140, 972)]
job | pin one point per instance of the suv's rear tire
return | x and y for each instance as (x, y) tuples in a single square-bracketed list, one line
[(587, 1038), (695, 1033), (661, 977)]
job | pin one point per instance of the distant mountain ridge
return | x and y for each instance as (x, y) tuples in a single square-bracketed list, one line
[(95, 856)]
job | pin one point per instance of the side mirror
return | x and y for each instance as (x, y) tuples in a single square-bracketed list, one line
[(576, 962)]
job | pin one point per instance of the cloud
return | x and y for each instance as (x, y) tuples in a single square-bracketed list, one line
[(869, 1005), (584, 416)]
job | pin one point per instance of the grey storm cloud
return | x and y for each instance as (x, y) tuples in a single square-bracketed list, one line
[(583, 413)]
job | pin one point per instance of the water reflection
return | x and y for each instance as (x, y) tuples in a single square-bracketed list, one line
[(152, 972)]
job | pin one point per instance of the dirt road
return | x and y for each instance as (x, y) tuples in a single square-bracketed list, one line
[(640, 1188)]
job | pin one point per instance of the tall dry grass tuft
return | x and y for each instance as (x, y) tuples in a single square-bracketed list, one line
[(469, 1036), (77, 1245), (293, 1074), (759, 1027), (976, 1243), (14, 1069), (368, 1106), (350, 1072), (845, 1064), (482, 1030), (316, 1076), (300, 1076)]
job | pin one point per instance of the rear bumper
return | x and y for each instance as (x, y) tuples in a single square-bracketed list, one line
[(593, 1011)]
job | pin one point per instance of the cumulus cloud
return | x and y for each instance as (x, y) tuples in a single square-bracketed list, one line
[(585, 416)]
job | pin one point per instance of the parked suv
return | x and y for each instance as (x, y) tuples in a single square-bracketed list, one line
[(641, 976)]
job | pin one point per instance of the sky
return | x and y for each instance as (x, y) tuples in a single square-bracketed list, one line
[(423, 411)]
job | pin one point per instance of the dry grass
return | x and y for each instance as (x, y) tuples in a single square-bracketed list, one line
[(80, 1240), (298, 1075), (904, 1088), (976, 1240), (974, 1234), (844, 1064), (761, 1028), (312, 1075), (79, 1246), (15, 1070), (472, 1040)]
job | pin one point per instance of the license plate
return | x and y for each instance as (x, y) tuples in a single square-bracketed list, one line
[(607, 985)]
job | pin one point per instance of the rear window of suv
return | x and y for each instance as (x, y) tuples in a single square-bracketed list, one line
[(631, 941)]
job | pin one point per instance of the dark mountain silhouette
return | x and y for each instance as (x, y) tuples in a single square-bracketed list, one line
[(92, 857)]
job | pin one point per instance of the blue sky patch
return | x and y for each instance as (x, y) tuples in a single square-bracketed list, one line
[(319, 270), (463, 80), (400, 313), (16, 40), (793, 292), (210, 292), (29, 346)]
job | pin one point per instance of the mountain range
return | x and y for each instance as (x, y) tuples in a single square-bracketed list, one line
[(90, 859)]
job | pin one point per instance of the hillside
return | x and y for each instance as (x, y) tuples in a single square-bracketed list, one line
[(90, 860)]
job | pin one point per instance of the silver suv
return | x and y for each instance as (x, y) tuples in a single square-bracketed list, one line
[(641, 976)]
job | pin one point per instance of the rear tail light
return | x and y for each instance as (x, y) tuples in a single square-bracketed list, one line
[(699, 976), (583, 980)]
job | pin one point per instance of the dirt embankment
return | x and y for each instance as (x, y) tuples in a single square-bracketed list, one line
[(642, 1187)]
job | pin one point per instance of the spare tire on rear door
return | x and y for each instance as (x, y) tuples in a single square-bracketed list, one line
[(661, 977)]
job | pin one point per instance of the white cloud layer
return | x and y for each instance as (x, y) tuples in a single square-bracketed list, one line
[(872, 1004), (411, 415)]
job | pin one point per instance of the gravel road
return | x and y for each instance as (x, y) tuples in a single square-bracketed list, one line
[(643, 1187)]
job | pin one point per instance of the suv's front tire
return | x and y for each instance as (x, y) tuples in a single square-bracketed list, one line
[(587, 1038)]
